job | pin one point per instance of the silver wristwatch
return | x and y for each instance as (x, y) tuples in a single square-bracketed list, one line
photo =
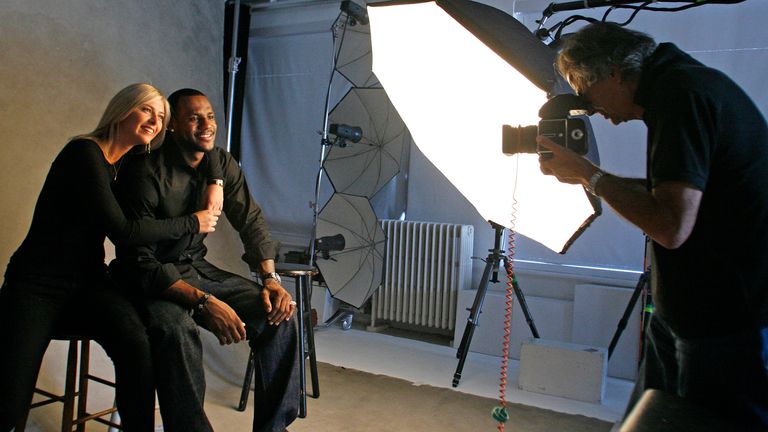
[(272, 275), (592, 184)]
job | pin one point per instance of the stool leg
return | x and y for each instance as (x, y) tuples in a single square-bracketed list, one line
[(247, 382), (82, 398), (310, 336), (70, 391), (302, 352)]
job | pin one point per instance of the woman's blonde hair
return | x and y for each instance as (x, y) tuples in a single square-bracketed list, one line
[(121, 105)]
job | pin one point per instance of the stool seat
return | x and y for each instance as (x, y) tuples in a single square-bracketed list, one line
[(293, 270)]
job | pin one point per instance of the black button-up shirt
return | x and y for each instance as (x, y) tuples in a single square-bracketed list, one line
[(162, 185)]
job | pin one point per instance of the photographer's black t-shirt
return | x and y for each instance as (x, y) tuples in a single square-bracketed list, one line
[(703, 129)]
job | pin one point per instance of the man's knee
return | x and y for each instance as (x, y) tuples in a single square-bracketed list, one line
[(168, 334), (283, 335), (168, 324)]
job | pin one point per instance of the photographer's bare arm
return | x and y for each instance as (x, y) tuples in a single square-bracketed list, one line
[(667, 214)]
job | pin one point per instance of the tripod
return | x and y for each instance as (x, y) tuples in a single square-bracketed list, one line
[(642, 286), (490, 274)]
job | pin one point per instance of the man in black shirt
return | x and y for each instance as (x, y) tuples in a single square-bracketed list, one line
[(176, 279), (704, 204)]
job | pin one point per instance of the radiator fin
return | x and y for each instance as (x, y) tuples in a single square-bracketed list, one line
[(425, 265)]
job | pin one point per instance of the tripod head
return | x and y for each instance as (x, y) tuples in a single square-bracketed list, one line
[(497, 254), (499, 233)]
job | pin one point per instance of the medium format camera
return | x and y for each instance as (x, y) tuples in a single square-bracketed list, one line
[(556, 123), (570, 133)]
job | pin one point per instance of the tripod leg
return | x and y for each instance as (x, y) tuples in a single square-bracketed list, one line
[(524, 307), (641, 284), (473, 320)]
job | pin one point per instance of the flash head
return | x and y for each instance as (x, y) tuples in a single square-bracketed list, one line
[(345, 132)]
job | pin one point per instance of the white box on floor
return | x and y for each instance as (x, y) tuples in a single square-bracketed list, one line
[(563, 369)]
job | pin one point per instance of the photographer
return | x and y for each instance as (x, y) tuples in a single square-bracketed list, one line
[(704, 204)]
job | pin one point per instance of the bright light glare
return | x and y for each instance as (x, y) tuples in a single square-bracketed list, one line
[(454, 94)]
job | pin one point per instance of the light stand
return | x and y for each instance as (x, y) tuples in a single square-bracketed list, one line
[(490, 274), (354, 14), (324, 142), (234, 63)]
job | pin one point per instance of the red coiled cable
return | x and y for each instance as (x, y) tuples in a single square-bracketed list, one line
[(500, 413)]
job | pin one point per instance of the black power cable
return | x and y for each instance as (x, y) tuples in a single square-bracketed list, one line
[(557, 29)]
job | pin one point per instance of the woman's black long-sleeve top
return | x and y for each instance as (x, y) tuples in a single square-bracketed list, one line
[(74, 212)]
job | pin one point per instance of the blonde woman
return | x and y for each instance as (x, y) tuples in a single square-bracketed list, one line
[(57, 281)]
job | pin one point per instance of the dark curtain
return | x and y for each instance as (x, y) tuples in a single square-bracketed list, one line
[(244, 24)]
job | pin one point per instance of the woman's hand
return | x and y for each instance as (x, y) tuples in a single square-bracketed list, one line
[(214, 197), (207, 220)]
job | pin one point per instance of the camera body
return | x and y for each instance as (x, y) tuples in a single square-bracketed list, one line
[(561, 121), (570, 133)]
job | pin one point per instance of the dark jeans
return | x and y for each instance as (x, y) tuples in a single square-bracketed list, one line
[(34, 309), (726, 374), (178, 357)]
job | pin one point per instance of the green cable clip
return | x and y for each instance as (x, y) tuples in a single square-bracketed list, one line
[(500, 414)]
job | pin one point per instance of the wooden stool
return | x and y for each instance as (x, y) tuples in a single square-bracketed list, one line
[(301, 274), (75, 387)]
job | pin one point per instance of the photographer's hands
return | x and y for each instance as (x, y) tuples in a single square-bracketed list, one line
[(667, 214), (566, 165)]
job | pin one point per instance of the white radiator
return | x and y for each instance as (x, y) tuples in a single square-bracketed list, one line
[(425, 265)]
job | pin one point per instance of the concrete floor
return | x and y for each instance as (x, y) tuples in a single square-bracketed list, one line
[(411, 360)]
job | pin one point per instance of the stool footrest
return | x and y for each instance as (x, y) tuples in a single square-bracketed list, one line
[(97, 416), (75, 390), (100, 380), (52, 398)]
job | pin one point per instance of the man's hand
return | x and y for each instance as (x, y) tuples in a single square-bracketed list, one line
[(277, 302), (207, 220), (564, 164), (214, 197), (222, 320)]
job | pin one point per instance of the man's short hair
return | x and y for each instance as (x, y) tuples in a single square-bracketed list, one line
[(173, 99), (589, 55)]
